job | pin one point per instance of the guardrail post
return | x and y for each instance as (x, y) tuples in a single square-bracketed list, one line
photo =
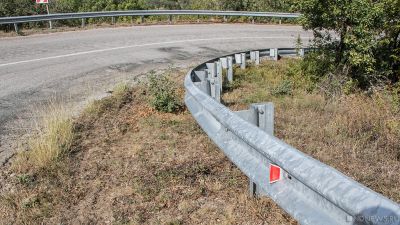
[(230, 69), (225, 19), (203, 79), (113, 20), (214, 81), (273, 52), (301, 52), (170, 19), (264, 119), (265, 113), (16, 28), (255, 57), (252, 20), (218, 90), (243, 61), (83, 22), (142, 19), (238, 59), (215, 89), (219, 74), (198, 18)]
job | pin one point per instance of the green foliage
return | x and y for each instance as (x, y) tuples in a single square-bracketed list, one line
[(362, 36), (395, 93), (163, 94), (29, 7), (285, 87), (25, 179)]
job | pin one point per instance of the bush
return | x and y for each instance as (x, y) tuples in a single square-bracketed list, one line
[(283, 88), (359, 39), (163, 94)]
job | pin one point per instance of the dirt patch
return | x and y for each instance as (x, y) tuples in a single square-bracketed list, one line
[(132, 164)]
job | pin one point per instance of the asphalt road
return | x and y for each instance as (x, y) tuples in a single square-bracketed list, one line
[(81, 64)]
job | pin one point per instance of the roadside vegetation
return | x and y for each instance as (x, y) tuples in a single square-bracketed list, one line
[(52, 138), (357, 42), (29, 7), (137, 157)]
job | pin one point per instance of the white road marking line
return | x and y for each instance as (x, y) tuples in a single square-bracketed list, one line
[(134, 46)]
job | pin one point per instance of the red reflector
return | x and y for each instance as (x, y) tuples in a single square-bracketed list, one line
[(274, 173)]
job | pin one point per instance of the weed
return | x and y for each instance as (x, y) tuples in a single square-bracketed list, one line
[(395, 96), (163, 94), (298, 44), (283, 88), (229, 86), (25, 179), (30, 202), (54, 136)]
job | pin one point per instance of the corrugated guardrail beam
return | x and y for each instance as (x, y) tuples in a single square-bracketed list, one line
[(66, 16), (84, 15), (312, 192)]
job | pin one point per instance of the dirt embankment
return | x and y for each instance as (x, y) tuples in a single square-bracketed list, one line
[(130, 164)]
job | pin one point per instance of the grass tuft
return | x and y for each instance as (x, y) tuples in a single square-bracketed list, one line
[(53, 137), (120, 95)]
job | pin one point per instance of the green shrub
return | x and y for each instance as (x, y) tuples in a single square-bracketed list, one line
[(163, 94), (285, 87)]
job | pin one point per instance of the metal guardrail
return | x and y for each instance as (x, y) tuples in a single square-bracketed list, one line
[(310, 191), (142, 13)]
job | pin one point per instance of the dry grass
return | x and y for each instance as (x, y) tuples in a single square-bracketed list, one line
[(358, 133), (53, 136), (130, 164)]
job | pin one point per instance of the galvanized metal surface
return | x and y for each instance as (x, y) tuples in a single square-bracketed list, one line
[(310, 191), (67, 16)]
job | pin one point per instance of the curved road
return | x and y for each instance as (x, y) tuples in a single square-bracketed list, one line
[(78, 65)]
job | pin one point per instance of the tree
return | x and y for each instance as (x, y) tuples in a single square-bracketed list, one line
[(359, 32)]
